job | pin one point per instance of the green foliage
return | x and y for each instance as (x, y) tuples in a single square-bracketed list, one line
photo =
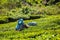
[(58, 4), (47, 28), (3, 2), (25, 10), (51, 10), (51, 2)]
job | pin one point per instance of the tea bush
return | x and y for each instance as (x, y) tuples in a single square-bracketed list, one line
[(47, 28)]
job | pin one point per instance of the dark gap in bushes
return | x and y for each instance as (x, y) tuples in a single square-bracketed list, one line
[(36, 2), (18, 4), (1, 21), (34, 17), (47, 0), (56, 1), (15, 19), (29, 3), (57, 21), (11, 19)]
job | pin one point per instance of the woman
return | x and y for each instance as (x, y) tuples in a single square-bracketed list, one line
[(21, 25)]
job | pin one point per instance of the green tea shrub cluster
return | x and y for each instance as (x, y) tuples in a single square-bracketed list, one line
[(51, 10), (15, 8), (46, 29)]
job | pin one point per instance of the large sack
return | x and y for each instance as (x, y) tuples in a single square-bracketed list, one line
[(32, 23)]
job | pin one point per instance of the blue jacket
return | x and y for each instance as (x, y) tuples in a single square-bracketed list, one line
[(20, 24)]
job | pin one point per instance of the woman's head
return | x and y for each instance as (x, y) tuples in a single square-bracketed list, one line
[(20, 21)]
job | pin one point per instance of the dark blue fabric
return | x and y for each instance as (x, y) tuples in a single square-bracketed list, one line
[(32, 23), (20, 24)]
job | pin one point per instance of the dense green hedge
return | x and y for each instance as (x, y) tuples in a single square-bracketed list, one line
[(15, 9)]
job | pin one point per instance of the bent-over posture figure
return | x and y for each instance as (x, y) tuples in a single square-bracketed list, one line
[(21, 25)]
